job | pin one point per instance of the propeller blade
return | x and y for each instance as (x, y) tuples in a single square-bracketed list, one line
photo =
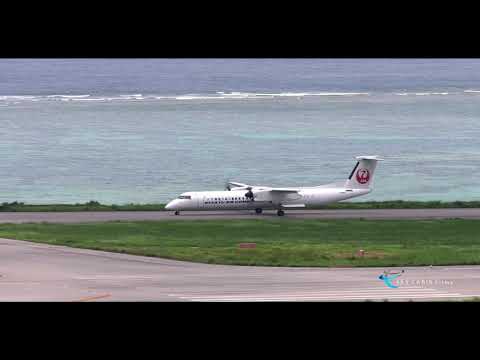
[(249, 194)]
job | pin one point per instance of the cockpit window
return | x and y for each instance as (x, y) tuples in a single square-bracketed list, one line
[(185, 197)]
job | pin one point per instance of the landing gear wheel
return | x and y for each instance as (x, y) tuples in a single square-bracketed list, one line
[(177, 212), (258, 210), (280, 213)]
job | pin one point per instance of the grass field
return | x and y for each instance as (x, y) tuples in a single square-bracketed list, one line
[(96, 206), (279, 242)]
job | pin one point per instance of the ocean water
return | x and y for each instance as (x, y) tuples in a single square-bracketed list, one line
[(145, 130)]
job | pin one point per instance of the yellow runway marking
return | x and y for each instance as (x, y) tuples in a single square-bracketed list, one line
[(89, 298)]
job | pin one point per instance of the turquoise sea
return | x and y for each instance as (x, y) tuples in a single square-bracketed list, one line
[(145, 130)]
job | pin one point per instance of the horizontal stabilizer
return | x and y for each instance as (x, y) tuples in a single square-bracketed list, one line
[(374, 157)]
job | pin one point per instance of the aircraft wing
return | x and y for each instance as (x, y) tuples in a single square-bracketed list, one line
[(278, 195), (285, 195)]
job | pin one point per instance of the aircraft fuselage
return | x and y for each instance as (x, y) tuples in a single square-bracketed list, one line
[(236, 199), (244, 196)]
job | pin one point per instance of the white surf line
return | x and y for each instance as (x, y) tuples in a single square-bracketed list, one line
[(336, 298)]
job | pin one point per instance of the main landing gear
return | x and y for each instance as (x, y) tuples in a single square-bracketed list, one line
[(177, 212), (280, 213), (258, 210)]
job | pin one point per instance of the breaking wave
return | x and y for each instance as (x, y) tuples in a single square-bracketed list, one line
[(67, 96), (219, 95), (422, 93), (288, 94), (216, 96)]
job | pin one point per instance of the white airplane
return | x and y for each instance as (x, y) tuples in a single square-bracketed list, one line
[(240, 196)]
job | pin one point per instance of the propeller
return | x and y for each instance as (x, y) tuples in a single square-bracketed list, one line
[(249, 193)]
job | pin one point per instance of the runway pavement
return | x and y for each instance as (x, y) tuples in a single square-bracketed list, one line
[(39, 272), (73, 217)]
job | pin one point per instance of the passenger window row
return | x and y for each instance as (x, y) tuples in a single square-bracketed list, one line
[(226, 198), (227, 201)]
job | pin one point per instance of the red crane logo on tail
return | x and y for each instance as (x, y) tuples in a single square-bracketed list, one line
[(363, 176)]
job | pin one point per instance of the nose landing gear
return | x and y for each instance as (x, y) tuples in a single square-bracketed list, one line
[(280, 213), (258, 210), (177, 212)]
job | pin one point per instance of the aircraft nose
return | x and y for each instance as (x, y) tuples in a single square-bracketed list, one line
[(170, 205), (174, 205)]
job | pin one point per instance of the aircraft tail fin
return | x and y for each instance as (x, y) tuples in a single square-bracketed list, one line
[(361, 176)]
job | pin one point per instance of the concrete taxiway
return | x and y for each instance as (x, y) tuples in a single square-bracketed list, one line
[(39, 272), (75, 217)]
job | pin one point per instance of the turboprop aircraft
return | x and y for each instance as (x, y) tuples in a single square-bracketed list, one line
[(239, 196)]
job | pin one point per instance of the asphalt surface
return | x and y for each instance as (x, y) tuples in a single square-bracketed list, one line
[(39, 272), (73, 217)]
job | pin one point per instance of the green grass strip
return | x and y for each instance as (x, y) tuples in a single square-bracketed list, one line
[(279, 242)]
